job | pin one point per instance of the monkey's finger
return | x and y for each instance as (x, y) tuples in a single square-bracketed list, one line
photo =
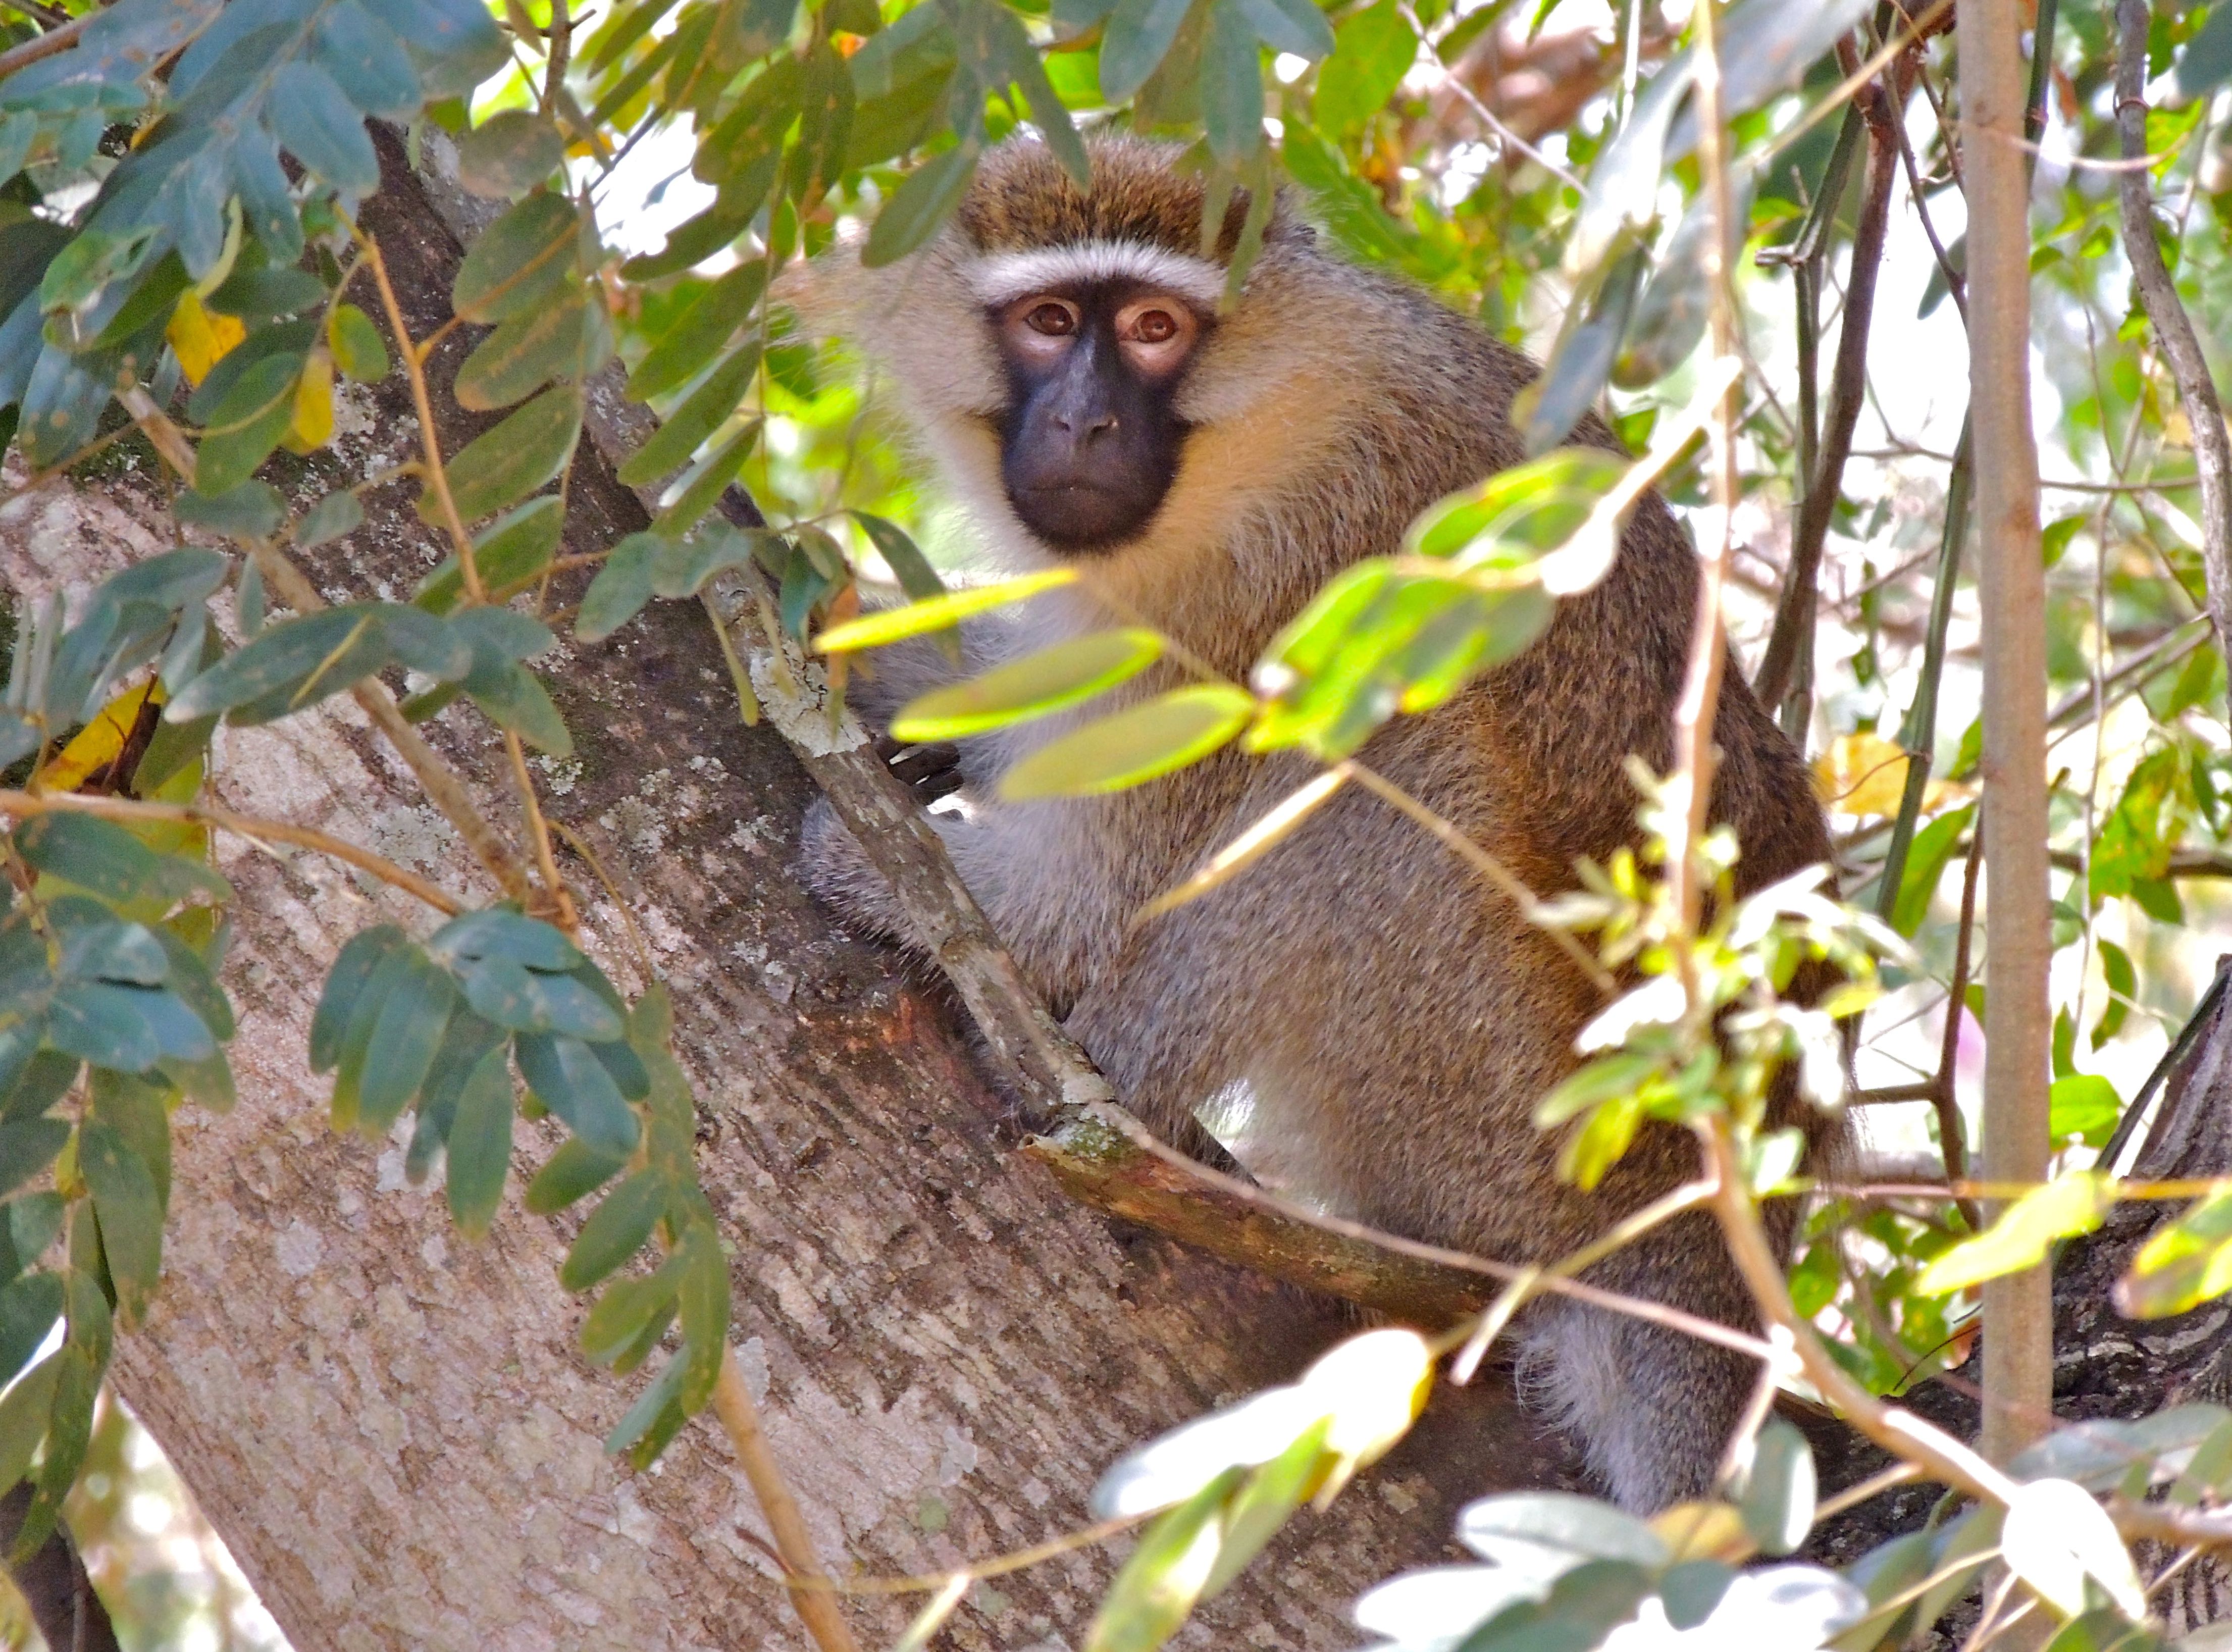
[(919, 763), (943, 782)]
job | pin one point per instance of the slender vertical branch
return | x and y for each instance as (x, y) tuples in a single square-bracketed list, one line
[(422, 402), (2018, 1308), (2158, 294), (740, 1420), (1701, 686), (1793, 614)]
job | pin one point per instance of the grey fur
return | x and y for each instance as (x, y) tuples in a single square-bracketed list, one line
[(1395, 1018)]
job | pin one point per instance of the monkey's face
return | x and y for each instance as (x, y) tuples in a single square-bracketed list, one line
[(1090, 439)]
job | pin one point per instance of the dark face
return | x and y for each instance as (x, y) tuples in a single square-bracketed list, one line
[(1090, 442)]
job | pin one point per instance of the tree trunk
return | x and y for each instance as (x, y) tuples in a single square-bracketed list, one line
[(392, 1428)]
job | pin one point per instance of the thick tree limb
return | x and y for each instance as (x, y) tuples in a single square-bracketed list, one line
[(2204, 413)]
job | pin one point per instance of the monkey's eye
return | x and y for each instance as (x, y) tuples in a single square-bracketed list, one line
[(1156, 327), (1057, 321)]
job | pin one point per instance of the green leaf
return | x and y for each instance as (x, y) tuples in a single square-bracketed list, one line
[(2183, 1263), (104, 860), (28, 1227), (253, 510), (291, 665), (1262, 1504), (1932, 850), (2084, 1105), (247, 423), (702, 413), (620, 589), (1065, 674), (24, 1411), (1157, 1588), (508, 154), (1778, 1497), (29, 1307), (627, 1309), (566, 1075), (480, 1145), (139, 1111), (358, 351), (704, 1313), (568, 340), (1524, 1529), (616, 1230), (1374, 49), (1134, 40), (130, 1212), (2206, 63), (2073, 1203), (1115, 752), (926, 198), (514, 698), (505, 932), (2123, 982), (1580, 363), (394, 967), (895, 624), (574, 1172), (361, 954), (652, 1421), (1292, 26), (701, 490), (522, 261), (412, 1019), (699, 332), (1231, 84), (318, 123), (501, 466), (334, 516), (2056, 1538), (27, 1147), (903, 556), (510, 551)]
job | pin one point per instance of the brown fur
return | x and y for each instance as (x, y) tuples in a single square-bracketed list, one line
[(1394, 1019)]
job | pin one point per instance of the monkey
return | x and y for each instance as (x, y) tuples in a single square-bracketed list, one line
[(1066, 363)]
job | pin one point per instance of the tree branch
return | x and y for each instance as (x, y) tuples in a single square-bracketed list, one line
[(1794, 613), (2204, 414), (17, 805)]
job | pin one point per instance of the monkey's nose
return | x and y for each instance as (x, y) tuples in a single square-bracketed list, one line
[(1095, 424)]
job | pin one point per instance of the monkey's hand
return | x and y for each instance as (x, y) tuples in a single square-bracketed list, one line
[(929, 772)]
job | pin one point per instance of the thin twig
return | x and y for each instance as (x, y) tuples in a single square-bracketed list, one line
[(20, 805), (1793, 615), (802, 1573), (2158, 294), (422, 401), (443, 788), (46, 45)]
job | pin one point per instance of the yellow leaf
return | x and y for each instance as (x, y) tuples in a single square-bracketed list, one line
[(200, 336), (1372, 1388), (1861, 773), (1709, 1530), (2070, 1204), (313, 425), (2176, 428), (96, 745)]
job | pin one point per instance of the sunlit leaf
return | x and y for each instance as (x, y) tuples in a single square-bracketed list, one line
[(2183, 1263), (1130, 746), (2070, 1204), (893, 625), (2056, 1538), (1062, 674)]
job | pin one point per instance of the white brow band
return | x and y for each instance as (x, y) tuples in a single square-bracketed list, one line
[(1002, 276)]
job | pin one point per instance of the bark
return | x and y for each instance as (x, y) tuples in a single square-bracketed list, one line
[(392, 1428)]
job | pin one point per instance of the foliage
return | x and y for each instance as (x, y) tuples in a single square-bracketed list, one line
[(182, 263)]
